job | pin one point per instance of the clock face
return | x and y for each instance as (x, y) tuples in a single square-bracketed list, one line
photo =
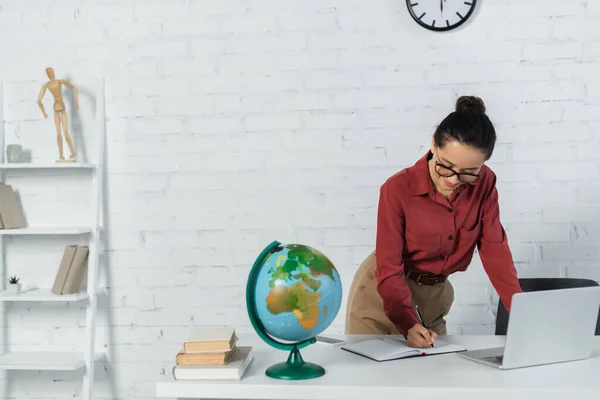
[(440, 15)]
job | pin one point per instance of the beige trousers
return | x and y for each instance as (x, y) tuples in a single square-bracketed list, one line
[(364, 312)]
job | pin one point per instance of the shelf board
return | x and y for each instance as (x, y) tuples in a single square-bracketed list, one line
[(46, 231), (42, 295), (44, 360), (46, 165)]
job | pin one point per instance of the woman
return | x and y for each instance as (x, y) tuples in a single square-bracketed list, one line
[(431, 216)]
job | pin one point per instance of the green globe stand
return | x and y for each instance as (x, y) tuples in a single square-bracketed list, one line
[(295, 368)]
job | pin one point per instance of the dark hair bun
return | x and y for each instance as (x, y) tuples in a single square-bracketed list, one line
[(470, 103)]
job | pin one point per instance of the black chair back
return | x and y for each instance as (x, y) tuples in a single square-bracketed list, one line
[(537, 284)]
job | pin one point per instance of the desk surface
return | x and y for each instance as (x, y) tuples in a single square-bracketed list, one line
[(351, 377)]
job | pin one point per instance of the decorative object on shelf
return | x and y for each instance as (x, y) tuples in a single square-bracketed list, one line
[(441, 16), (14, 153), (60, 113), (293, 293), (14, 285)]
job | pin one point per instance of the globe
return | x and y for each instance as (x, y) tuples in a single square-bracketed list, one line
[(293, 293)]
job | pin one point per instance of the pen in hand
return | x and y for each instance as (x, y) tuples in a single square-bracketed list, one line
[(421, 319)]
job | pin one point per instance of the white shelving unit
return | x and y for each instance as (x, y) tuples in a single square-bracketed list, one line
[(46, 360), (48, 230), (44, 295), (61, 360), (7, 166)]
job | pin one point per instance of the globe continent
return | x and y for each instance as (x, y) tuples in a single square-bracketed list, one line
[(298, 293)]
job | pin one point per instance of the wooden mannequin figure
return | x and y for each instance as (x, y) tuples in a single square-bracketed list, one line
[(60, 114)]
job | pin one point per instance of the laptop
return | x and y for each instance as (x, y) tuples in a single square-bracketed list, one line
[(545, 327)]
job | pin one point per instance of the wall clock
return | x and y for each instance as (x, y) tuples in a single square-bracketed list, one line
[(441, 15)]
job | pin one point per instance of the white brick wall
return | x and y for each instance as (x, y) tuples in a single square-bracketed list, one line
[(215, 109)]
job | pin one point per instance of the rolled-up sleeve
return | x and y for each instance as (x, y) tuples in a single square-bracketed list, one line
[(494, 250), (389, 273)]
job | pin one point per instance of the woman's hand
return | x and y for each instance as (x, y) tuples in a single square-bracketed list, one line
[(420, 337)]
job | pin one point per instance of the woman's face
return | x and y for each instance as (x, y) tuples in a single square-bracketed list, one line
[(457, 157)]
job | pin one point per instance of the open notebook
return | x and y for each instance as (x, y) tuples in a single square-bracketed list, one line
[(393, 348)]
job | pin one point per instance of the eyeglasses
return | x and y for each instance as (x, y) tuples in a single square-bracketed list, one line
[(447, 172)]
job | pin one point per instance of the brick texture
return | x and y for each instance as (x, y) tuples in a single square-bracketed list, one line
[(233, 123)]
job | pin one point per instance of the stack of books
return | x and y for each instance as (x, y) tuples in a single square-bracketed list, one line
[(212, 353)]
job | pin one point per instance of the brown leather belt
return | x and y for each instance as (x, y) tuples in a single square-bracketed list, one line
[(425, 278)]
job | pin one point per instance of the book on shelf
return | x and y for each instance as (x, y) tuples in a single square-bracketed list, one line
[(212, 353), (72, 269), (11, 213)]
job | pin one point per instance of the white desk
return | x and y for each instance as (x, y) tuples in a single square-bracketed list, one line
[(439, 377)]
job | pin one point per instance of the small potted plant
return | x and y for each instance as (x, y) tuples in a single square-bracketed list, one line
[(14, 285)]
